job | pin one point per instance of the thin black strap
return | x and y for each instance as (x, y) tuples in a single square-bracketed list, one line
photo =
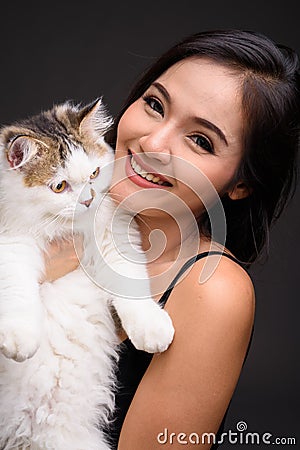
[(186, 265)]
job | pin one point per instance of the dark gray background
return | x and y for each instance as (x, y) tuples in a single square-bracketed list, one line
[(51, 52)]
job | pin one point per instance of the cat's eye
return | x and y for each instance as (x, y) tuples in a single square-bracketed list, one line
[(59, 187), (95, 173)]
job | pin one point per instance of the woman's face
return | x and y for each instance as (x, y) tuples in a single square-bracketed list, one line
[(182, 140)]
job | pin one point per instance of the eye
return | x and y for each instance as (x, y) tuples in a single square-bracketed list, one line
[(154, 104), (203, 142), (59, 187), (95, 173)]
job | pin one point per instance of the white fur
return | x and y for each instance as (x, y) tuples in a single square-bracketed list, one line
[(58, 340)]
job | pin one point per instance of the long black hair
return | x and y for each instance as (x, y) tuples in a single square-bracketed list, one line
[(270, 80)]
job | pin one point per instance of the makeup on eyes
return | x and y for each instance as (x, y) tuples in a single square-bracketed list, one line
[(148, 96)]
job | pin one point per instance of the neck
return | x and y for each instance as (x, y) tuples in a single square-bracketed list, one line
[(166, 240), (167, 243)]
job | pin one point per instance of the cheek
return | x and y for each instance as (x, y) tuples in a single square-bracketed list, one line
[(203, 183), (124, 130), (221, 180), (132, 124), (58, 201)]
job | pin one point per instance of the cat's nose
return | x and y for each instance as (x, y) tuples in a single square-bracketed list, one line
[(87, 202)]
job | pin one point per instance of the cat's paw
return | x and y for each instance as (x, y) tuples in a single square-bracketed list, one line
[(152, 331), (18, 341)]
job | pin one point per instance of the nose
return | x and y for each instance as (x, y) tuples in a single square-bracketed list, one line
[(89, 201), (157, 144)]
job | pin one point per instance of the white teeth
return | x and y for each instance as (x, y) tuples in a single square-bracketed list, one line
[(142, 173)]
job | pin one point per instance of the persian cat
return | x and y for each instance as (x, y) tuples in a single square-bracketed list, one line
[(58, 341)]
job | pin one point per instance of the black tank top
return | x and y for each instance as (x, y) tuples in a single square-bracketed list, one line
[(133, 364)]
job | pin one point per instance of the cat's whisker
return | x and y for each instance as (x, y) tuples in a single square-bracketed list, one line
[(46, 223), (67, 325), (58, 220)]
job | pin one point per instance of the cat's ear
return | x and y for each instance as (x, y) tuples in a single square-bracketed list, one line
[(94, 120), (21, 150)]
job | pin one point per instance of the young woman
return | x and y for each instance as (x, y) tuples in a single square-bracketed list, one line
[(213, 124)]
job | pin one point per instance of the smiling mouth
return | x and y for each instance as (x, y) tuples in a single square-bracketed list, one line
[(151, 177)]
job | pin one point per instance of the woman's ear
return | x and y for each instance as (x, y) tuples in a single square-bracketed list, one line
[(239, 191)]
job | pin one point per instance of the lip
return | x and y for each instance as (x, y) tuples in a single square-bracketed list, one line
[(137, 179)]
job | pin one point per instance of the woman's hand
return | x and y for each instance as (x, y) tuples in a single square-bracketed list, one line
[(61, 258)]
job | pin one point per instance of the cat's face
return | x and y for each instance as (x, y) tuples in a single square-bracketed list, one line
[(57, 161)]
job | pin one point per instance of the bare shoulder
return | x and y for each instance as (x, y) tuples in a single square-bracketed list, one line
[(213, 320), (189, 386), (218, 288)]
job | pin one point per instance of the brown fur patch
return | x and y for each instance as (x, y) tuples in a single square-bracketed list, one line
[(55, 128), (72, 121), (41, 168)]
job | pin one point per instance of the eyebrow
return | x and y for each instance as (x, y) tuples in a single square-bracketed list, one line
[(162, 90), (206, 123), (212, 127)]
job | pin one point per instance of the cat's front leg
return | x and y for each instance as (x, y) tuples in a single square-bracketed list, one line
[(148, 326), (119, 267), (20, 306)]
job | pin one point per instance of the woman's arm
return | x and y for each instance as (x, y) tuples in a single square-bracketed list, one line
[(187, 388)]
